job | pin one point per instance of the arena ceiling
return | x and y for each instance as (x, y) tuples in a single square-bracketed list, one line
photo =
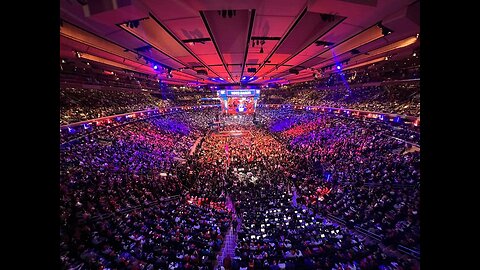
[(248, 41)]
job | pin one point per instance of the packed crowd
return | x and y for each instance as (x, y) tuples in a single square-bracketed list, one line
[(133, 167), (283, 174), (401, 98), (77, 72), (401, 69), (390, 70), (249, 168), (194, 99), (277, 235), (348, 152), (79, 104), (168, 235)]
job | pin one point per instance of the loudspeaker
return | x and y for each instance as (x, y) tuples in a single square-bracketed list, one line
[(202, 72), (251, 69)]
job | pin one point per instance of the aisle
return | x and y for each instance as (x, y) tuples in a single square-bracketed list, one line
[(230, 241)]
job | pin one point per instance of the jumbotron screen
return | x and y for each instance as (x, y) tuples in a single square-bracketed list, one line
[(240, 105), (241, 101)]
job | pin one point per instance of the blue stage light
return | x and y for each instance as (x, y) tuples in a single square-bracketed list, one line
[(155, 67), (339, 67)]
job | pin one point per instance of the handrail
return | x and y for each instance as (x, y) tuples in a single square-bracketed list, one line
[(372, 184), (106, 118), (101, 130), (413, 119), (138, 113), (412, 252), (401, 248), (402, 140), (373, 235), (374, 83), (323, 108)]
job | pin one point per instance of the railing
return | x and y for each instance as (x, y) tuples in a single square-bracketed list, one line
[(372, 185), (107, 118), (402, 140), (374, 83), (401, 248), (158, 111), (337, 220), (368, 233), (349, 112), (412, 252), (396, 118), (137, 116), (103, 129)]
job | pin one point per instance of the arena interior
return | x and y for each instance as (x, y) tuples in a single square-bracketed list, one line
[(241, 134)]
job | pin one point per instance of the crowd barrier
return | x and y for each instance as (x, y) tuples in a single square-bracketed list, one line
[(401, 248)]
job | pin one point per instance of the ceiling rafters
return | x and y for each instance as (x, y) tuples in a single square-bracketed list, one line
[(205, 22), (337, 45), (250, 27), (385, 49), (128, 30), (290, 29), (153, 46), (96, 46), (181, 43), (366, 58), (305, 47), (290, 25), (111, 63)]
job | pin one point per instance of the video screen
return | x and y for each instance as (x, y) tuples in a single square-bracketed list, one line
[(240, 105)]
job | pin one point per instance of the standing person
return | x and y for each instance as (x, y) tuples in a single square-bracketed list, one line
[(227, 262), (235, 224)]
